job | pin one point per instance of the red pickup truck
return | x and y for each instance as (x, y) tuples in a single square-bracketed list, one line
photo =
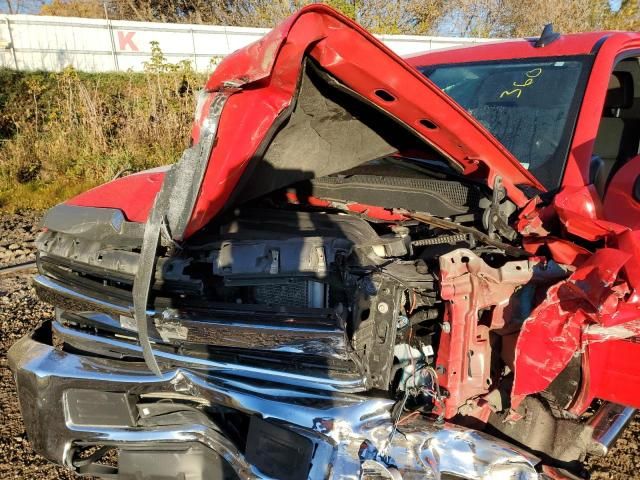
[(363, 266)]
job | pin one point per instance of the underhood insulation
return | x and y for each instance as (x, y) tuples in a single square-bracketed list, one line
[(330, 129)]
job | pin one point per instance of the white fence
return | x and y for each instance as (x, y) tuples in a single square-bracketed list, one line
[(29, 42)]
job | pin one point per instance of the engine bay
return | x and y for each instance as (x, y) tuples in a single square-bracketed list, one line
[(334, 279)]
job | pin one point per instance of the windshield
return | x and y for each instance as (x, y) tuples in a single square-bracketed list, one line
[(529, 106)]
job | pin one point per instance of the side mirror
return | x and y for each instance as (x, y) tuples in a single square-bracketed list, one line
[(622, 200)]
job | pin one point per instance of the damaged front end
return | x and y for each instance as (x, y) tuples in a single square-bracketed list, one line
[(290, 344), (341, 278), (360, 348)]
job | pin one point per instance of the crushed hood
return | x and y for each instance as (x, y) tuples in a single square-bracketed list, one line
[(315, 96)]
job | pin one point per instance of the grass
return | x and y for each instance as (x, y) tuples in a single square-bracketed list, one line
[(62, 133)]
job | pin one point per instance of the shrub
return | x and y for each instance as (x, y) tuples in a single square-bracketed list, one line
[(61, 133)]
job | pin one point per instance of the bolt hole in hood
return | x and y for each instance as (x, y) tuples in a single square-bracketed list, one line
[(317, 95)]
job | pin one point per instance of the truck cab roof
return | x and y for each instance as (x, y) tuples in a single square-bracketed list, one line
[(589, 43)]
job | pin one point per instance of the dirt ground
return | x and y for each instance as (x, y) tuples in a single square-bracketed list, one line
[(20, 311)]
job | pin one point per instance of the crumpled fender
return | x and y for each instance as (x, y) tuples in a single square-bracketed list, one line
[(598, 302)]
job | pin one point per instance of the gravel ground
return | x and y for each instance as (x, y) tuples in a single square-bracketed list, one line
[(20, 311), (16, 237)]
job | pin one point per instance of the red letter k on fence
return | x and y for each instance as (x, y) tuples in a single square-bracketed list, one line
[(125, 39)]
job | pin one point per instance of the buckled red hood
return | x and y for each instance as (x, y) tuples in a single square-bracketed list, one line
[(262, 140)]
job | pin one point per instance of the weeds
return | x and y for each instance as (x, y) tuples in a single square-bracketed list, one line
[(61, 133)]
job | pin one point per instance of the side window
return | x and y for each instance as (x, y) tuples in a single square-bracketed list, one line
[(618, 138)]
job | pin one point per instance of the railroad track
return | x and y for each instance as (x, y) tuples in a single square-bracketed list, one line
[(17, 267)]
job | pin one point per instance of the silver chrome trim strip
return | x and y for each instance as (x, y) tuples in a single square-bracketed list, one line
[(73, 300), (89, 342), (55, 292)]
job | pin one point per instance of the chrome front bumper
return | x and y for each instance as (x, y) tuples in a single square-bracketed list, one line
[(352, 433)]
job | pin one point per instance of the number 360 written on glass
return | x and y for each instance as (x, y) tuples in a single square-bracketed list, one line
[(531, 75)]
